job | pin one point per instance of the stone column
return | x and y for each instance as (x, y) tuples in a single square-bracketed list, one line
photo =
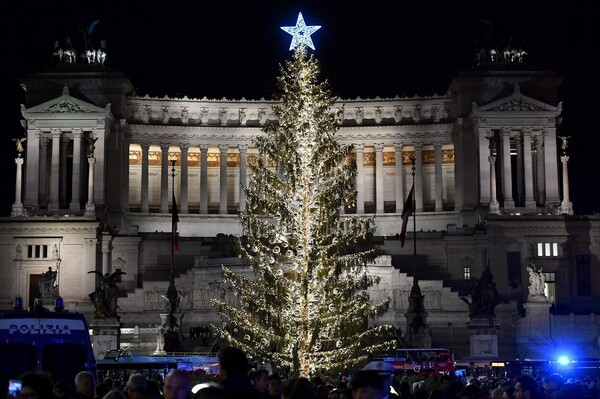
[(566, 206), (243, 149), (540, 170), (509, 202), (183, 183), (528, 169), (32, 171), (164, 178), (53, 204), (419, 177), (44, 171), (520, 195), (64, 143), (439, 193), (379, 191), (90, 206), (106, 239), (223, 178), (360, 178), (144, 192), (203, 178), (494, 206), (399, 178), (17, 208), (75, 204), (550, 166)]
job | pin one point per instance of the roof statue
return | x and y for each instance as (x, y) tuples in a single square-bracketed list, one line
[(19, 144), (565, 143)]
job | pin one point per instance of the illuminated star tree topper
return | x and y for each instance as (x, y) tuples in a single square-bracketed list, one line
[(301, 33)]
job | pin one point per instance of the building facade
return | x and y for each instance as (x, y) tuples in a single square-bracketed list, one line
[(94, 190)]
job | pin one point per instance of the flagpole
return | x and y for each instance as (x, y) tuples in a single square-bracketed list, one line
[(414, 215)]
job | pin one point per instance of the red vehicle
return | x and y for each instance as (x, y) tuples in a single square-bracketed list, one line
[(429, 361)]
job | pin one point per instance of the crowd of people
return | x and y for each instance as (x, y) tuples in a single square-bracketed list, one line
[(203, 333), (234, 380)]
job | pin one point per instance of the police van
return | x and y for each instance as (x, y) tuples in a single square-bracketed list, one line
[(57, 342)]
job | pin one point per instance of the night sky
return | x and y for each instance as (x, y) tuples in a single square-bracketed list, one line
[(233, 49)]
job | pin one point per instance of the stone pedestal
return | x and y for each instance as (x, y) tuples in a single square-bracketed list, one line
[(483, 335), (533, 332), (106, 335)]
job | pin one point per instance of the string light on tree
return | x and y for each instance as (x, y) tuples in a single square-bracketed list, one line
[(301, 33), (307, 308)]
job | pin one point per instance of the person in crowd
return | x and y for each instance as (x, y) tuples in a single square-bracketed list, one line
[(153, 389), (526, 388), (261, 381), (274, 388), (496, 393), (114, 394), (551, 385), (297, 388), (436, 394), (36, 385), (62, 390), (101, 390), (471, 391), (137, 385), (445, 381), (177, 385), (509, 393), (211, 392), (369, 384), (109, 381), (386, 370), (84, 385), (233, 373), (454, 390)]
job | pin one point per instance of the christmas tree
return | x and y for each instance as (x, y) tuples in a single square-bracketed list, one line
[(308, 307)]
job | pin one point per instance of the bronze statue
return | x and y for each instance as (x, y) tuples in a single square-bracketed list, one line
[(19, 143), (91, 145), (484, 295), (106, 294)]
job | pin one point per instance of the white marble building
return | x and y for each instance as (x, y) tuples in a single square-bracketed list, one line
[(490, 186)]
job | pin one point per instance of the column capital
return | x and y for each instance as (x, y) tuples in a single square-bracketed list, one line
[(438, 144), (399, 147), (184, 147), (223, 147), (492, 159), (526, 131), (55, 133), (505, 131), (145, 146), (418, 146), (564, 158), (164, 147), (359, 147), (378, 147), (77, 133), (19, 161), (38, 134), (545, 132), (242, 148), (203, 147)]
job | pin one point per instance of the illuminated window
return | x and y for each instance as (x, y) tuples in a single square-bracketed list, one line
[(550, 286), (547, 249), (467, 273), (37, 251)]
